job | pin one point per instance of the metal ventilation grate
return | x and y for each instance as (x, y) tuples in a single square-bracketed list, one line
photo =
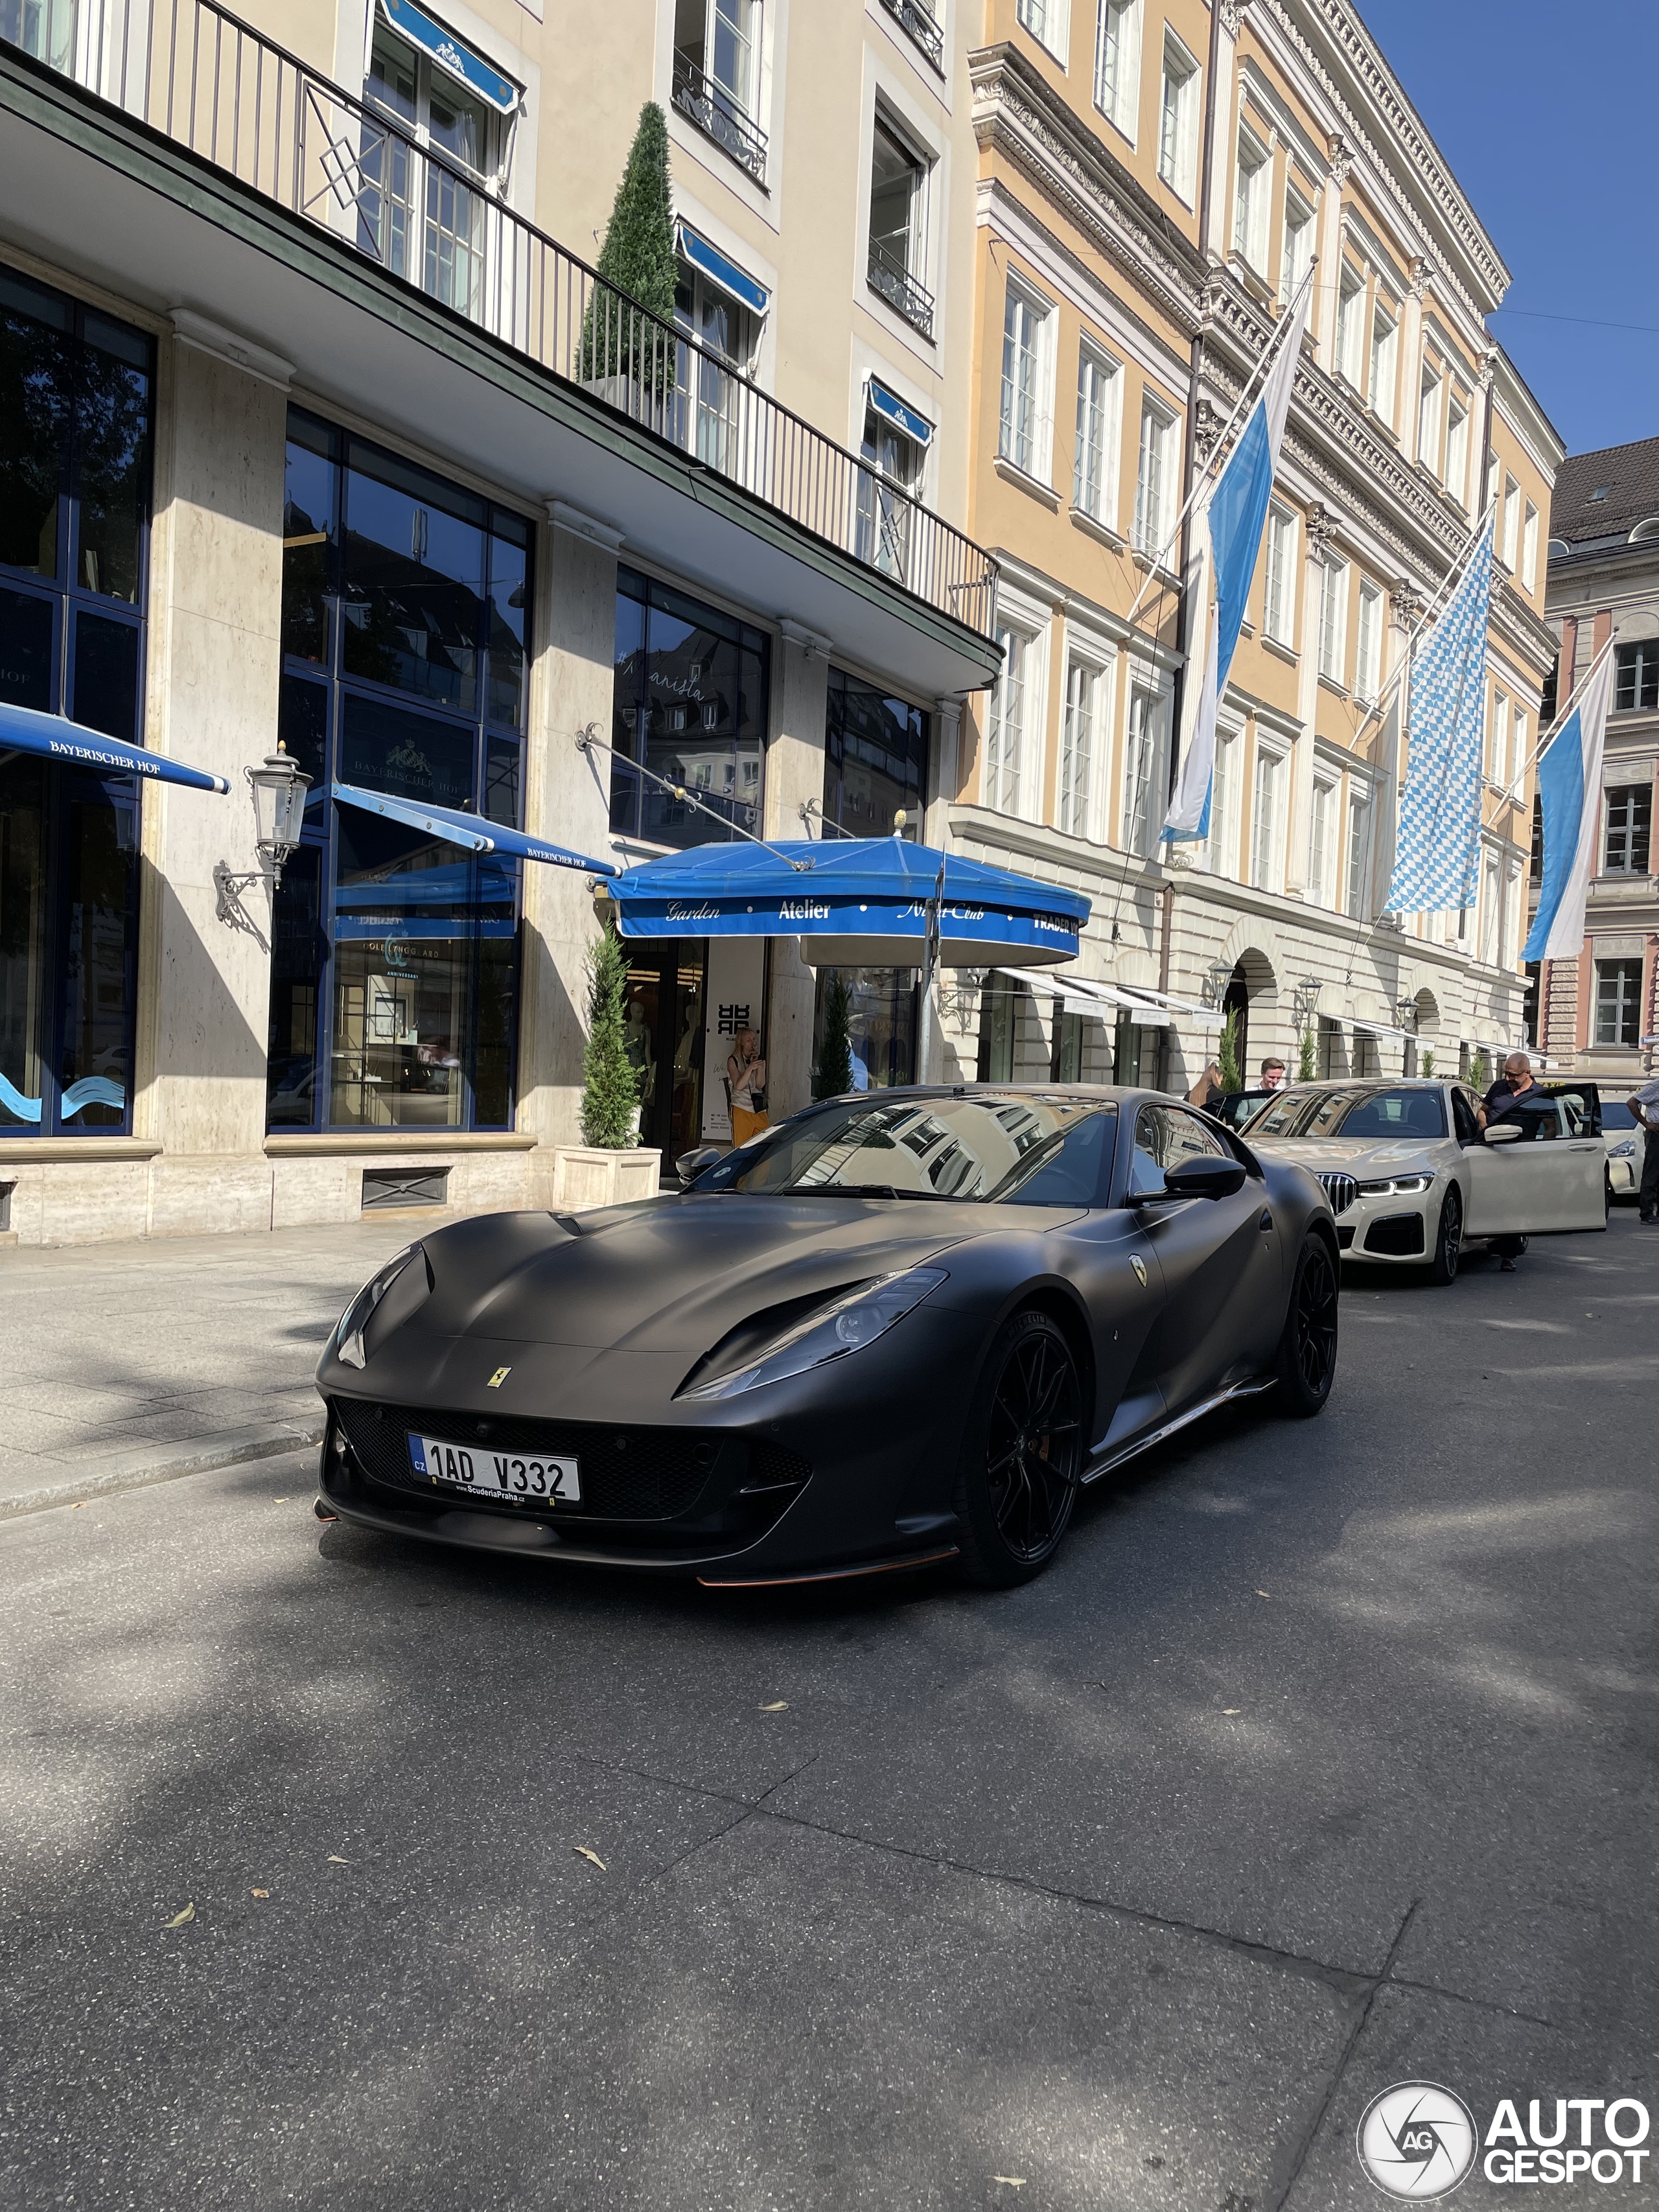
[(383, 1188)]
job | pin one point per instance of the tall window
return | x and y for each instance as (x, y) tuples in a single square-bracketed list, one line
[(1529, 548), (1005, 736), (76, 394), (1117, 61), (1265, 821), (1457, 449), (1630, 829), (1077, 748), (1618, 1001), (1333, 618), (1025, 420), (1368, 668), (1491, 900), (1428, 419), (1278, 611), (1636, 674), (1094, 474), (875, 759), (897, 245), (1498, 769), (1153, 487), (1517, 748), (1385, 339), (1511, 523), (728, 333), (394, 985), (1049, 21), (1359, 870), (1139, 764), (1350, 323), (1178, 114), (1321, 817), (421, 221), (887, 486), (717, 58), (688, 695), (1256, 178), (1222, 841), (1298, 243)]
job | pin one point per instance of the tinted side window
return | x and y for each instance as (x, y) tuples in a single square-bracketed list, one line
[(1539, 1124), (1463, 1117), (1188, 1139), (1146, 1164)]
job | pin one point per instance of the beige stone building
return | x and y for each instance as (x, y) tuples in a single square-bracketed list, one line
[(1592, 1013), (313, 428), (1156, 178)]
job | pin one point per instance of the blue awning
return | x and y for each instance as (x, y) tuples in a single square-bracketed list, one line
[(855, 903), (727, 274), (903, 417), (460, 61), (23, 730), (473, 831)]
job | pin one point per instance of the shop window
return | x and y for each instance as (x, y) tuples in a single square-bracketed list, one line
[(690, 708), (75, 487), (875, 759), (395, 957), (882, 1005), (998, 1029)]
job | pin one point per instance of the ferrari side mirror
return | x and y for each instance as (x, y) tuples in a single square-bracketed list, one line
[(1205, 1177), (691, 1165)]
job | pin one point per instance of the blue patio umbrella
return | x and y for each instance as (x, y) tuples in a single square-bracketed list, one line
[(854, 902)]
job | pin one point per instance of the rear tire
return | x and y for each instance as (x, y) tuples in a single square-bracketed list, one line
[(1023, 1457), (1449, 1239), (1306, 1365)]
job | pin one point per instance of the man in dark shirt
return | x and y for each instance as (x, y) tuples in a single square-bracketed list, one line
[(1513, 1088)]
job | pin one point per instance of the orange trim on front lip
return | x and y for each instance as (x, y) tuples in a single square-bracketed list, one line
[(827, 1574)]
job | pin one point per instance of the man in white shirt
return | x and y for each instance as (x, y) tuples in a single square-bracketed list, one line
[(1644, 1104)]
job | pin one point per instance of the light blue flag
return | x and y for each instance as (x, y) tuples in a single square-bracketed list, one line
[(1570, 768), (1439, 842), (1230, 522)]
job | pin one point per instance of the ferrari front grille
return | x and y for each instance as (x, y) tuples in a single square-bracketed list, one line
[(1341, 1190), (627, 1474)]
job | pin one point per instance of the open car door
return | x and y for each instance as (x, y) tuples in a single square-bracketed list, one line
[(1550, 1177)]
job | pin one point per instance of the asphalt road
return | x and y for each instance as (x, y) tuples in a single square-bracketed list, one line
[(1323, 1759)]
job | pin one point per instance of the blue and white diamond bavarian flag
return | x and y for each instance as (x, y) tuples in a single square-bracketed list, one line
[(1229, 523), (1568, 777), (1438, 841)]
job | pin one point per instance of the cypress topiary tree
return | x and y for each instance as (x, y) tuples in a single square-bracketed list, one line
[(1479, 1074), (636, 267), (610, 1083), (1226, 1054), (833, 1076), (1428, 1065), (1305, 1069)]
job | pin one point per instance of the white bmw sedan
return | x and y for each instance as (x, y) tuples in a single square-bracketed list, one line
[(1412, 1179)]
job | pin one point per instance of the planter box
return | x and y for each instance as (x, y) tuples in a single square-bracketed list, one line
[(584, 1176)]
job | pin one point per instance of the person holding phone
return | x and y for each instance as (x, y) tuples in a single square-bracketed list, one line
[(745, 1072)]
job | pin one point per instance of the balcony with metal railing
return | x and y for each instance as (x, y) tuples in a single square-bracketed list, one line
[(891, 279), (707, 103), (216, 122), (918, 22)]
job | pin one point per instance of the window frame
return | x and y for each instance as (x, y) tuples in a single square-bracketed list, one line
[(1381, 368), (1621, 841), (1356, 850), (1457, 477), (1038, 462), (1368, 649), (1529, 548), (1108, 373), (1076, 797), (1430, 408), (1252, 183), (1333, 594), (1293, 261), (1351, 294), (1054, 32), (1005, 777), (1119, 101), (1152, 507), (1625, 1006), (1180, 85), (1321, 817), (1636, 672), (1139, 822), (1279, 582), (1266, 818)]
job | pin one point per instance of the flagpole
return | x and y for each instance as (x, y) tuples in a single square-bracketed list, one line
[(1437, 606), (1560, 721), (1218, 455)]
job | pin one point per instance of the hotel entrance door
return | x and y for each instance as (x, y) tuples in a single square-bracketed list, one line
[(663, 1016)]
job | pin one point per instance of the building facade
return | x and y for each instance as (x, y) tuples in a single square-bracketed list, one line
[(317, 430), (1598, 1014), (1156, 180)]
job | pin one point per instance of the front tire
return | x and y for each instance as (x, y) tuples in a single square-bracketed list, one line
[(1307, 1351), (1023, 1459), (1449, 1239)]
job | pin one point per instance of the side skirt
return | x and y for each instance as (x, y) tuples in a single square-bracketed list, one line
[(1126, 1452)]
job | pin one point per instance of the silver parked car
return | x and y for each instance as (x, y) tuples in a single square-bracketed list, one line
[(1412, 1179)]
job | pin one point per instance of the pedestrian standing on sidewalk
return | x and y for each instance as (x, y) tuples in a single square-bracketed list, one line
[(1644, 1104), (1515, 1087)]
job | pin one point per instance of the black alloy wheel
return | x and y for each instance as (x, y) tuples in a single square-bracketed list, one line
[(1307, 1351), (1024, 1455), (1449, 1239)]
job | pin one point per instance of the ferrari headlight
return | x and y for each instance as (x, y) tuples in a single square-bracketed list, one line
[(349, 1335), (830, 1332), (1396, 1187)]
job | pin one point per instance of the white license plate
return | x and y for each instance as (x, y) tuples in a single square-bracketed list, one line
[(496, 1474)]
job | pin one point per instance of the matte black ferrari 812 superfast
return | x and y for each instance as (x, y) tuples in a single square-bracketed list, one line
[(900, 1327)]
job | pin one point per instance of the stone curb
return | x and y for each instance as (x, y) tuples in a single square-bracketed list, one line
[(140, 1464)]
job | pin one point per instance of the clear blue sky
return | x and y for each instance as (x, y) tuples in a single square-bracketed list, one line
[(1547, 114)]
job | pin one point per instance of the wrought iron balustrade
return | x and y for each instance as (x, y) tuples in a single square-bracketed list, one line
[(234, 99), (717, 115), (890, 277), (918, 22)]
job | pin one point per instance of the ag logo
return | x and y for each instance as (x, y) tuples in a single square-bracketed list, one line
[(1416, 2141)]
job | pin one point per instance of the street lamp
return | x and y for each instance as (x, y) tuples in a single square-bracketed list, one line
[(1304, 999), (279, 789)]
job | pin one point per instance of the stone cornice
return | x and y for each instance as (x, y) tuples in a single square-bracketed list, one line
[(1017, 115), (1409, 145)]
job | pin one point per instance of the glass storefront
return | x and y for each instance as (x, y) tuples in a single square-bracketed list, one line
[(395, 961), (881, 1024), (875, 759), (75, 396), (664, 1019), (690, 707)]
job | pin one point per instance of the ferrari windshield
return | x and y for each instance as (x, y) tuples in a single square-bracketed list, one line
[(1351, 1113), (1012, 1149)]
